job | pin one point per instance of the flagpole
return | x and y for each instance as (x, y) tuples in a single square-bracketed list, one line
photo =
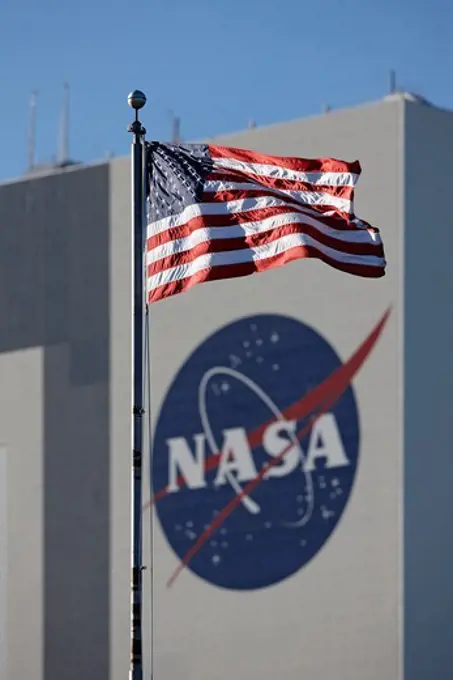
[(137, 101)]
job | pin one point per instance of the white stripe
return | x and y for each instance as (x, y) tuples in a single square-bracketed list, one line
[(237, 206), (258, 253), (332, 179), (301, 197), (205, 234)]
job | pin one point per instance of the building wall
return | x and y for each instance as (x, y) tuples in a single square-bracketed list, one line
[(120, 429), (428, 387), (65, 333)]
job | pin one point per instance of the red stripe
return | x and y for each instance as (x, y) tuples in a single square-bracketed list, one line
[(345, 192), (237, 219), (248, 268), (260, 239), (298, 164), (242, 194)]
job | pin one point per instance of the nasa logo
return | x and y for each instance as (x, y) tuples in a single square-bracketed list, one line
[(256, 450)]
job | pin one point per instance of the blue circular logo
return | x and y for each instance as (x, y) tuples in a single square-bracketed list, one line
[(255, 452)]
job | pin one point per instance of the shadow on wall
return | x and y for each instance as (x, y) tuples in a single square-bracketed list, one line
[(54, 293)]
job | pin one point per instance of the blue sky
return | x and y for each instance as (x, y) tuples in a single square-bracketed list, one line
[(215, 64)]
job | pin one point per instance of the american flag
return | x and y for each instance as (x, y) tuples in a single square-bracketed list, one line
[(217, 213)]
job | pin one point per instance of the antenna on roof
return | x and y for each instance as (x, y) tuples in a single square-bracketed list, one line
[(176, 130), (64, 126), (32, 131), (392, 81)]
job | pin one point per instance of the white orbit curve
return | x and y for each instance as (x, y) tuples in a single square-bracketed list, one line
[(248, 503)]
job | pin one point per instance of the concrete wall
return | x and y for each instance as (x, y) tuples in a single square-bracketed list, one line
[(428, 389), (65, 284)]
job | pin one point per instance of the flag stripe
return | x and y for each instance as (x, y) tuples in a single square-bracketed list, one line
[(298, 164), (262, 170), (216, 273), (277, 247), (282, 183), (302, 197), (171, 255), (247, 205), (253, 234), (348, 218), (245, 223)]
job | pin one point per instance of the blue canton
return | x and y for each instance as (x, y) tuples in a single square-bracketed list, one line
[(176, 175)]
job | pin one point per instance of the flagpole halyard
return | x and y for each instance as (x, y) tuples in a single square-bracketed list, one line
[(137, 101)]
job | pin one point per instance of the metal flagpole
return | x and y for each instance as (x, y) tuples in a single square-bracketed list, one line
[(137, 101)]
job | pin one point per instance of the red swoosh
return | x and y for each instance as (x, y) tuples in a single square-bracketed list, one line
[(323, 396)]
